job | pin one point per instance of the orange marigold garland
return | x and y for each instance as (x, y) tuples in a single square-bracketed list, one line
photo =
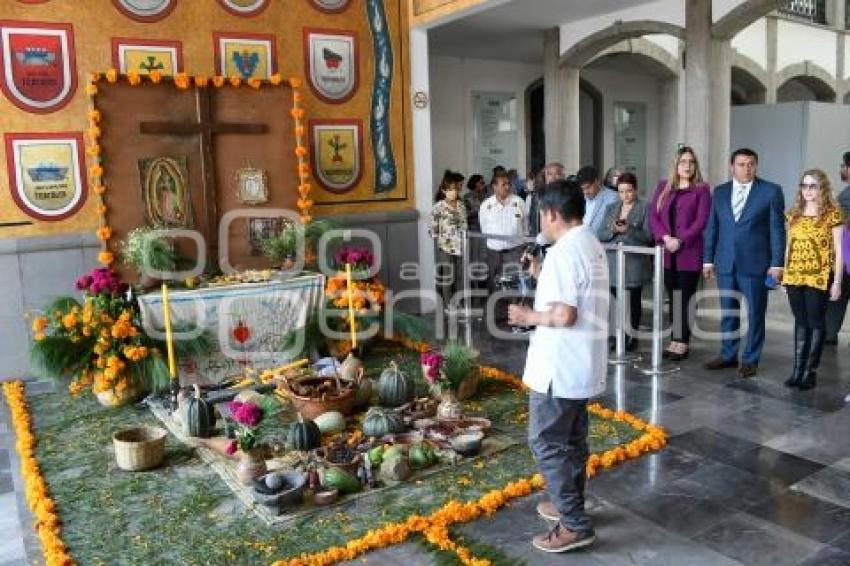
[(435, 527), (304, 204), (47, 523)]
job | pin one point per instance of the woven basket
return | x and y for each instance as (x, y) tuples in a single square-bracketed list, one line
[(139, 448)]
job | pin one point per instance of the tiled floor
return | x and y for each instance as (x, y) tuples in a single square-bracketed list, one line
[(754, 473)]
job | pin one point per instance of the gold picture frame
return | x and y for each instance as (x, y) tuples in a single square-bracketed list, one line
[(252, 186)]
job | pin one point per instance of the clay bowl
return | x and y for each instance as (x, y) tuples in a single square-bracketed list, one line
[(349, 466), (404, 438), (326, 496), (312, 407), (467, 443), (468, 424)]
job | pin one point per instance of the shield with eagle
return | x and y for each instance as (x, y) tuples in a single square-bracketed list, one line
[(337, 153), (245, 55), (39, 71), (332, 64)]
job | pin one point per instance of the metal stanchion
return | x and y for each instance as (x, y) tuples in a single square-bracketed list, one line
[(620, 356), (466, 318), (657, 318)]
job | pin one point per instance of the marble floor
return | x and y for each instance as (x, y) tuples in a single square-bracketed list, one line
[(753, 474)]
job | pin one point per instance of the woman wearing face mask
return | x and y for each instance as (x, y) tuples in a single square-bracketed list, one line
[(448, 220), (814, 267)]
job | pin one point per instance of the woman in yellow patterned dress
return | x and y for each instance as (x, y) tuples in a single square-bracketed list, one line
[(813, 270), (448, 221)]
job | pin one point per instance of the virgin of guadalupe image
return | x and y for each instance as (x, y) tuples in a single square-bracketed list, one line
[(165, 192)]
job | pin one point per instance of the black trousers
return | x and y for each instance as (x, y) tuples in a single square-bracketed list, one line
[(835, 310), (449, 275), (681, 287), (808, 305), (633, 294), (501, 263)]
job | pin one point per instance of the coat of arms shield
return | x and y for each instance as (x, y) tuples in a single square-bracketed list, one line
[(332, 64), (337, 153), (38, 66)]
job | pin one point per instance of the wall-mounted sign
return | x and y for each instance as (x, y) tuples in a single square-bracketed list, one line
[(332, 64), (245, 55), (337, 153), (244, 8), (145, 10), (495, 131), (146, 55), (630, 138), (46, 173), (39, 72)]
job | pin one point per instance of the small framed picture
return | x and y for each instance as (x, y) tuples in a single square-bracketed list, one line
[(251, 186)]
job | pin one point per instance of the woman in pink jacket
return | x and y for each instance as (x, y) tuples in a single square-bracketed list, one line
[(677, 217)]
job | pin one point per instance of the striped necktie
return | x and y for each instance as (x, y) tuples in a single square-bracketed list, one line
[(739, 199)]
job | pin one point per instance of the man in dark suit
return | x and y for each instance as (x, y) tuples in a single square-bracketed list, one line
[(744, 243)]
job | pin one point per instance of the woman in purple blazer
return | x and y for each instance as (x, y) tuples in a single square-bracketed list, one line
[(677, 217)]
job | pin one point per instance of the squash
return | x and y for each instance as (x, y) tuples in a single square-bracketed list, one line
[(421, 456), (376, 455), (365, 387), (344, 481), (304, 435), (395, 387), (197, 416), (330, 422), (379, 422)]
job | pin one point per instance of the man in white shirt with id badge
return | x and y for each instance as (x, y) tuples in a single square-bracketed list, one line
[(566, 362)]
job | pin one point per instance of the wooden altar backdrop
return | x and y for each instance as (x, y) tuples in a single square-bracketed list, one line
[(218, 131)]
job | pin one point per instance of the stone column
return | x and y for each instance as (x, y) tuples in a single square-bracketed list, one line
[(670, 133), (840, 61), (560, 105), (708, 76), (771, 45)]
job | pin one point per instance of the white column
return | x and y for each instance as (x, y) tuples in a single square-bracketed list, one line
[(422, 160), (668, 128), (840, 61), (720, 106), (560, 105)]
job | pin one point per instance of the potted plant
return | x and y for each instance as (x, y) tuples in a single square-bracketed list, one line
[(247, 419), (143, 250), (281, 248), (451, 373)]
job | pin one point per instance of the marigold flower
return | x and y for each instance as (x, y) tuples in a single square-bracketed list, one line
[(94, 116), (112, 75), (255, 83), (134, 78), (300, 151), (294, 82), (304, 189), (101, 209), (300, 131), (94, 150), (276, 79), (91, 90), (297, 113), (182, 81), (155, 77), (98, 189), (104, 233), (235, 81), (218, 81), (201, 81), (106, 257)]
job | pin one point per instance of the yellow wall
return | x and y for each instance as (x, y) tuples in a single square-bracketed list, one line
[(95, 22), (425, 11)]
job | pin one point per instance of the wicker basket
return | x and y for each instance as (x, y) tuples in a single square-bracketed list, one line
[(139, 448)]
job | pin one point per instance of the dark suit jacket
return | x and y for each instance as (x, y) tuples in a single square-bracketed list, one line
[(757, 241)]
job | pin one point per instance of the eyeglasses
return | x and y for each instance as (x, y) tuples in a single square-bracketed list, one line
[(809, 186)]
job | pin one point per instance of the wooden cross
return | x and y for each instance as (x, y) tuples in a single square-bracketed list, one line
[(206, 127)]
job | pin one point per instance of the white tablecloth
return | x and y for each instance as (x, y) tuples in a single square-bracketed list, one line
[(247, 323)]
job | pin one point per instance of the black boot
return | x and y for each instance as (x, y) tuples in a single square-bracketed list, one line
[(812, 364), (802, 338)]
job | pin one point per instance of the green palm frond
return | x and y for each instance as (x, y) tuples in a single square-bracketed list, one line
[(152, 373), (62, 304), (59, 357)]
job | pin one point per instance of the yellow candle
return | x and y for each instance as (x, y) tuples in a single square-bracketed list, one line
[(169, 340), (351, 321)]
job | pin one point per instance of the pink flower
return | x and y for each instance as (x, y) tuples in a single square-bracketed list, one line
[(247, 414), (230, 449), (84, 282)]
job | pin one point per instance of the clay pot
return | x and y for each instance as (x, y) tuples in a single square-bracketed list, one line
[(449, 407), (251, 466), (114, 398)]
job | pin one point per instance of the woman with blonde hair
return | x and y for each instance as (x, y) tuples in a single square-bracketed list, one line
[(678, 215), (814, 268)]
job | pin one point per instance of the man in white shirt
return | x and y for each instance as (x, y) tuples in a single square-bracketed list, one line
[(597, 198), (503, 214), (566, 362)]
